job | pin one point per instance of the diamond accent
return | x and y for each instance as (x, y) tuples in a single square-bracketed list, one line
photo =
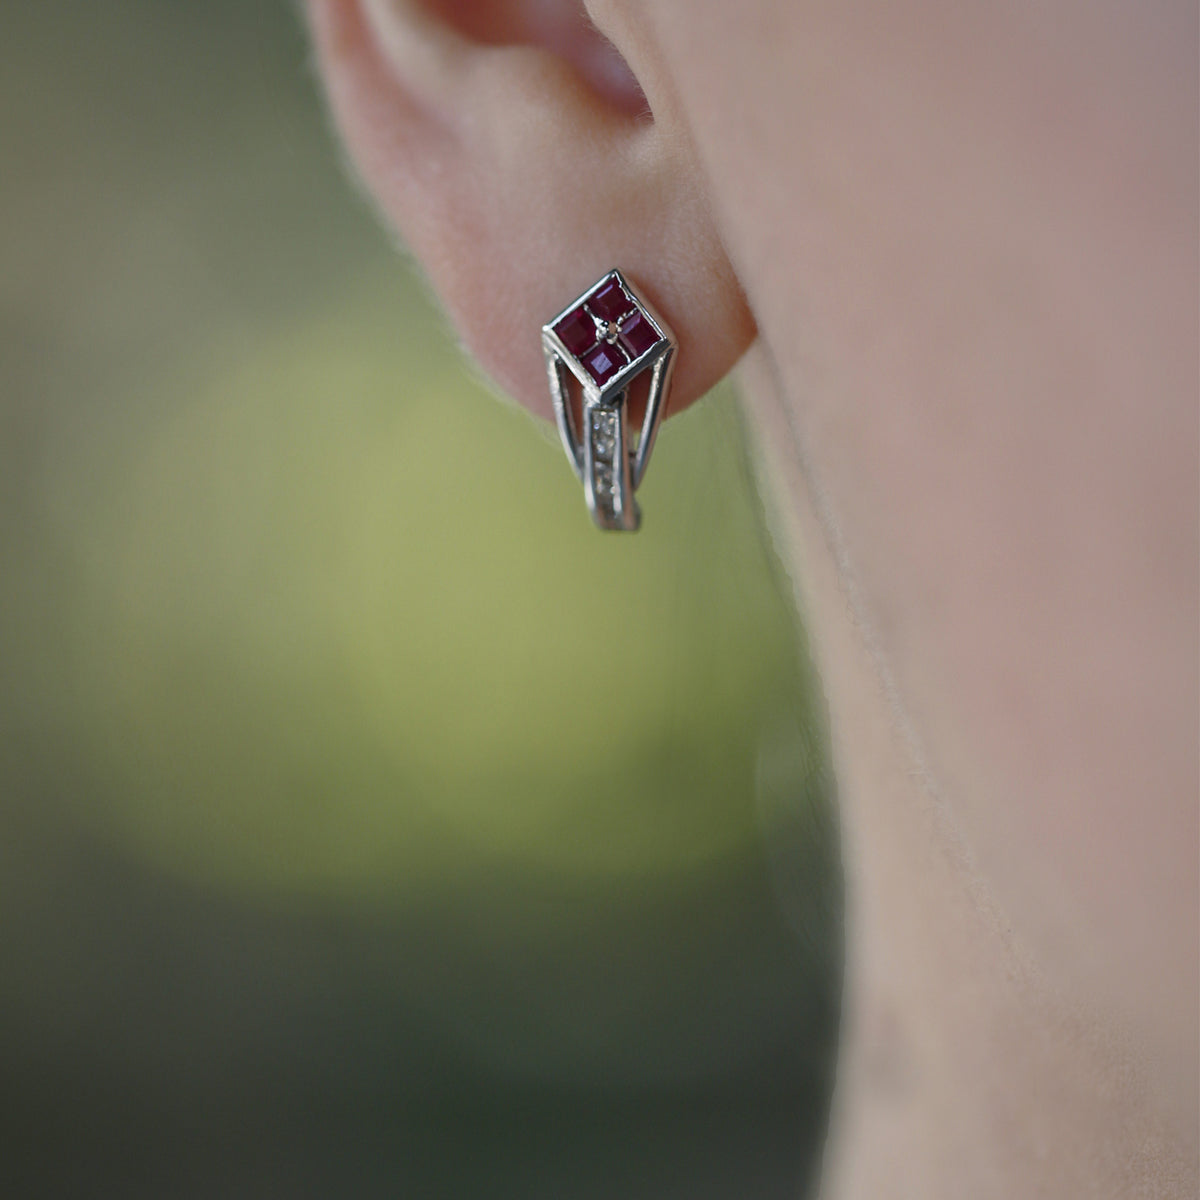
[(604, 435)]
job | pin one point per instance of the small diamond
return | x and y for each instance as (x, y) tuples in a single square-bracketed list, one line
[(604, 435), (603, 478)]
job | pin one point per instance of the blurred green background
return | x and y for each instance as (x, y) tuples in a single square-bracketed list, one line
[(369, 823)]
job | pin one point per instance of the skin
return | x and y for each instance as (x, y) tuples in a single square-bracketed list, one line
[(957, 247)]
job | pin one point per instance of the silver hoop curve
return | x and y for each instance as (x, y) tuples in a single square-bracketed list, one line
[(606, 338)]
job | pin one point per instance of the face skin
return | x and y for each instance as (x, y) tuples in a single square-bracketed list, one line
[(962, 240)]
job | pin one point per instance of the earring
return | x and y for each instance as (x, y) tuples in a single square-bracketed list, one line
[(607, 338)]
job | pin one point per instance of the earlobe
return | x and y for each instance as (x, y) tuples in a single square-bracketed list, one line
[(518, 180)]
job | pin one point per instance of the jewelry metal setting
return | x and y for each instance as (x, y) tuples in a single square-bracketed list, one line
[(606, 339)]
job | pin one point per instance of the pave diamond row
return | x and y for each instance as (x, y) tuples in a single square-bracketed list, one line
[(604, 447)]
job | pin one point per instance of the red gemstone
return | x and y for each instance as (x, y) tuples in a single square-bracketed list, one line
[(577, 331), (610, 302), (637, 335), (603, 362)]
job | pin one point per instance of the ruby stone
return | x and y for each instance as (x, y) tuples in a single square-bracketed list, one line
[(603, 362), (637, 335), (609, 302), (577, 331)]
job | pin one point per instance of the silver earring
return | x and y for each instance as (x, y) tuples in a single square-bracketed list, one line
[(607, 338)]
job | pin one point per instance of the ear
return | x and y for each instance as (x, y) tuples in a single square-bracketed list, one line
[(520, 159)]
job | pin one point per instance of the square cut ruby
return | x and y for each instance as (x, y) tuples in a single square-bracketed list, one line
[(637, 335), (603, 362), (610, 302), (577, 331)]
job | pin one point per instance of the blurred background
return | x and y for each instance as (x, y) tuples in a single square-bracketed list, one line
[(343, 851)]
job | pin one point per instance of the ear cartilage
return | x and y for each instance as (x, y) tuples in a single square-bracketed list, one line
[(607, 338)]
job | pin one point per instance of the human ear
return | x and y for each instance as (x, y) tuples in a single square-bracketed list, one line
[(520, 160)]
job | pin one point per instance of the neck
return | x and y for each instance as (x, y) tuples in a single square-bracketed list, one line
[(962, 1072)]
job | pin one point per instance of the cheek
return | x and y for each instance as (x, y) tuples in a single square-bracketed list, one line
[(966, 262), (1023, 541), (1046, 675)]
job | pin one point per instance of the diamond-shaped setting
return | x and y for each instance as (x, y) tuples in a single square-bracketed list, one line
[(606, 330)]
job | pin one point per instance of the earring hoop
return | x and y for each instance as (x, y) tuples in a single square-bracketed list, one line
[(607, 338)]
